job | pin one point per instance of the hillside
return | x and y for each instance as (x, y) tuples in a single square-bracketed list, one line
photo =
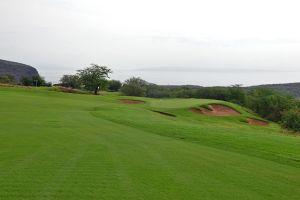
[(289, 88), (55, 145), (17, 70)]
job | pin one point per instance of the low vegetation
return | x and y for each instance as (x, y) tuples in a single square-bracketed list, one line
[(291, 119), (68, 90), (114, 85), (9, 79), (25, 81), (34, 81), (134, 87), (70, 81)]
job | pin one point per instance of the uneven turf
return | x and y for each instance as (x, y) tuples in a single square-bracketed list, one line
[(55, 145)]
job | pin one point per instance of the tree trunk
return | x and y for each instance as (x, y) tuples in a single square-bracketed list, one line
[(96, 91)]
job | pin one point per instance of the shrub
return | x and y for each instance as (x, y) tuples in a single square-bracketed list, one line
[(68, 90), (7, 79), (114, 85), (291, 120), (134, 87), (218, 93), (156, 91), (34, 81), (71, 81), (236, 94), (269, 104)]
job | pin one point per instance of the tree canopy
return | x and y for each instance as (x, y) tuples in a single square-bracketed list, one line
[(114, 85), (134, 86), (70, 81), (94, 78)]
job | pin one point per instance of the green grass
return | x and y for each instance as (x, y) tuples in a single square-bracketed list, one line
[(56, 145)]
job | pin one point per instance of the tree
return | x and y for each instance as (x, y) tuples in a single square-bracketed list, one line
[(25, 81), (94, 77), (134, 86), (291, 120), (219, 93), (71, 81), (114, 85), (38, 81), (156, 91), (7, 79), (270, 104), (34, 81), (237, 94)]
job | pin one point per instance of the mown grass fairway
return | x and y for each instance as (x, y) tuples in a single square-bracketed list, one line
[(69, 146)]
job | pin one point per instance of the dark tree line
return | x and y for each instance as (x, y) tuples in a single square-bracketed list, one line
[(9, 79), (26, 81), (34, 81)]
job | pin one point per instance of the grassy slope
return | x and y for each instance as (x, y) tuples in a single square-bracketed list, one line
[(66, 146)]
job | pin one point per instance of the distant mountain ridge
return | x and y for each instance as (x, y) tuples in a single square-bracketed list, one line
[(18, 70), (289, 88)]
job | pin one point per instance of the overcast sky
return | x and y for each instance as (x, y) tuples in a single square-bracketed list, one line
[(204, 42)]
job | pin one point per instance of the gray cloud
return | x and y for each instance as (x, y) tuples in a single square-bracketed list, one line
[(60, 36), (206, 42), (213, 70)]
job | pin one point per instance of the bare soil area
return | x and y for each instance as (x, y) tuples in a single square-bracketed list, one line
[(216, 110), (131, 101), (257, 122)]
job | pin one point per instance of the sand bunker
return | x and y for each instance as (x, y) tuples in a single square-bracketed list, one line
[(256, 122), (131, 101), (215, 110)]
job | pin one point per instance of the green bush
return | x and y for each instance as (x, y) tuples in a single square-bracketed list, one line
[(218, 93), (134, 87), (156, 91), (70, 81), (291, 120), (269, 104), (68, 90), (34, 81), (114, 85), (7, 79), (236, 94)]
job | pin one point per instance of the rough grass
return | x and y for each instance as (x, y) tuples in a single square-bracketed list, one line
[(68, 90), (56, 145)]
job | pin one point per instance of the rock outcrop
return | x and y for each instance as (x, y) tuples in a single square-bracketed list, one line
[(18, 70)]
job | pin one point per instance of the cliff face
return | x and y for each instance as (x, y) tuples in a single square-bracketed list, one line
[(17, 70)]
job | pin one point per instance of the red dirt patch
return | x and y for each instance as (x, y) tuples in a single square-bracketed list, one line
[(131, 101), (256, 122), (216, 110)]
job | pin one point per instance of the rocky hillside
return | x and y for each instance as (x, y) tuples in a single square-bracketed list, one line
[(17, 70)]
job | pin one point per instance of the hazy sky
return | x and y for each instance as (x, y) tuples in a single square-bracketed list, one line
[(204, 42)]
